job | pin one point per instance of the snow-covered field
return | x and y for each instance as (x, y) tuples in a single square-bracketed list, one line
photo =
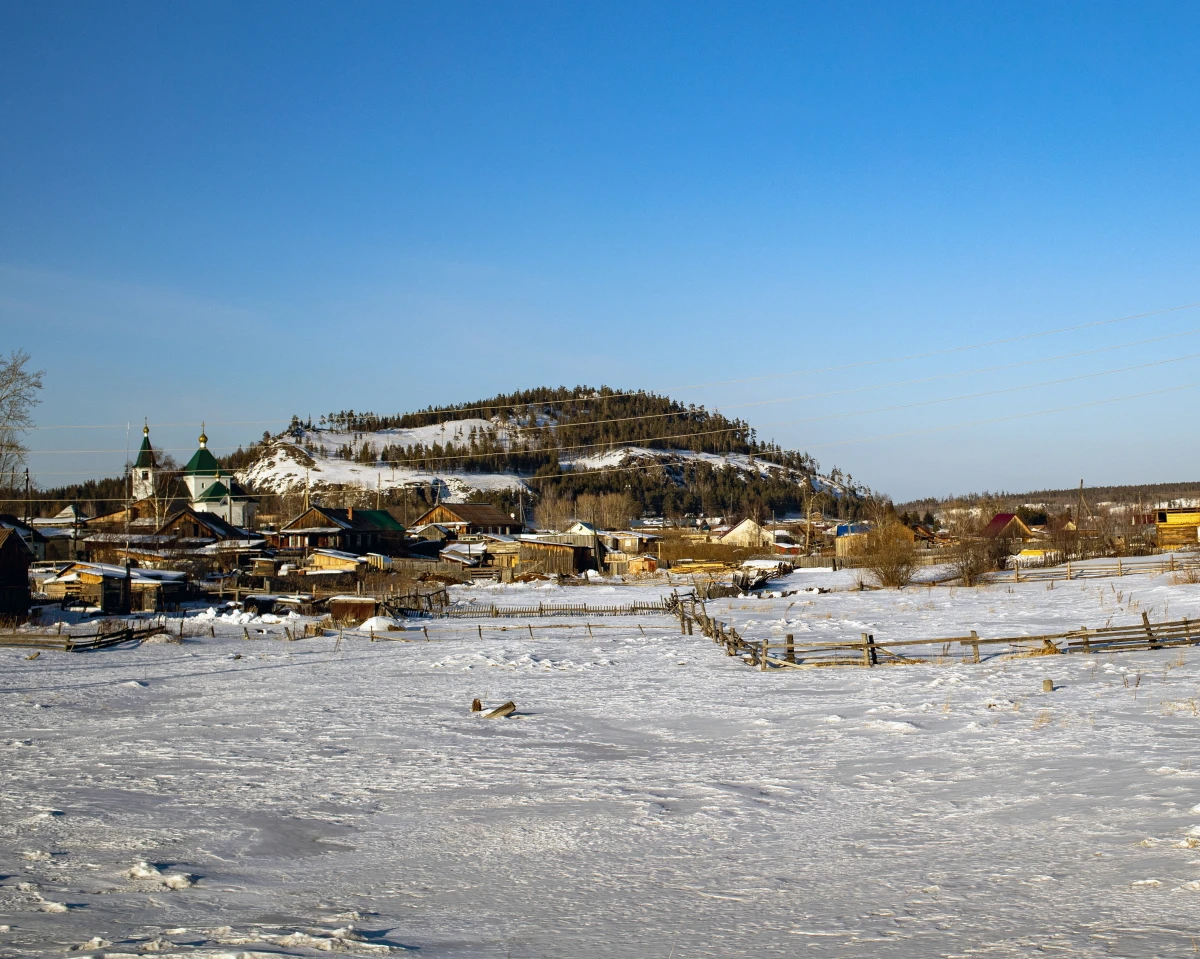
[(651, 797)]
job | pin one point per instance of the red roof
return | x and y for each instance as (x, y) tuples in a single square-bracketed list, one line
[(1000, 522)]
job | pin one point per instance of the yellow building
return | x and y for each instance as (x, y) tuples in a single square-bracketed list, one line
[(1178, 527)]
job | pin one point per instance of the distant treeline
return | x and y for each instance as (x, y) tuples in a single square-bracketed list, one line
[(1057, 500)]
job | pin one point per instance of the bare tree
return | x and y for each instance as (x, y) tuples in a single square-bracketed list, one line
[(18, 396), (969, 559), (553, 511), (891, 555)]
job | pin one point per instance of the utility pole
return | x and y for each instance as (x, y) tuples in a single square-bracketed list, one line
[(28, 501)]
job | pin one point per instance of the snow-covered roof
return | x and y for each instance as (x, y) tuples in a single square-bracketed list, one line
[(341, 554), (136, 573)]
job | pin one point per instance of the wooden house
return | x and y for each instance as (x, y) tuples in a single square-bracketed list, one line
[(349, 530), (471, 519), (194, 527), (15, 557), (628, 552), (1007, 526), (749, 534), (631, 542), (140, 516), (35, 541), (1177, 527)]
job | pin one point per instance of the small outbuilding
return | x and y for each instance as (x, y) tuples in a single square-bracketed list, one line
[(15, 558)]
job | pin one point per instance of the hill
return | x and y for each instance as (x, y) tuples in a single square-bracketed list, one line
[(667, 457)]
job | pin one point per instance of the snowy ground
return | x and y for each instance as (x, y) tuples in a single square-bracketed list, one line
[(652, 797)]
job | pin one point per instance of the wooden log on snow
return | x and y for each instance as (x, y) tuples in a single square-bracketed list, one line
[(501, 711)]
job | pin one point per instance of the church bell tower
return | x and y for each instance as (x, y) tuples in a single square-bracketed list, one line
[(145, 469)]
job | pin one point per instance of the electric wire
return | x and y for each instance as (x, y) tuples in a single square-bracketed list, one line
[(946, 351)]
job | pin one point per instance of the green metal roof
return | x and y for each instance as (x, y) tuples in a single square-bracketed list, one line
[(145, 458), (214, 493), (381, 518), (202, 463)]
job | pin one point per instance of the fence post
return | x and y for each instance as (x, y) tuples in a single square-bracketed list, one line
[(870, 657), (975, 644), (1119, 571), (762, 665), (1087, 645), (1149, 632), (790, 651)]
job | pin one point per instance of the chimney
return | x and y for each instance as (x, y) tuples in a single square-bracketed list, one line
[(350, 513)]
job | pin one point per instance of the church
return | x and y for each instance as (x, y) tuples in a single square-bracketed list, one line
[(209, 490)]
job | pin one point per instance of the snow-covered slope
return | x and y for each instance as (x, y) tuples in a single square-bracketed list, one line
[(289, 465)]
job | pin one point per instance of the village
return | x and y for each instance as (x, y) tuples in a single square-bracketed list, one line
[(639, 481), (208, 537)]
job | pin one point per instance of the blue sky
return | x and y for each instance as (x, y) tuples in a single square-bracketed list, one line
[(234, 212)]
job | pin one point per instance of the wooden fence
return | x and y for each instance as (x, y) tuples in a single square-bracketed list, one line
[(78, 643), (972, 648), (479, 611), (1118, 567)]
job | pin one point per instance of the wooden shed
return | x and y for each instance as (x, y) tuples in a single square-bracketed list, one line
[(554, 558), (1177, 527), (336, 560), (115, 589), (351, 610)]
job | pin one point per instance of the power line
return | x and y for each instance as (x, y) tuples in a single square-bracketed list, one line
[(768, 464), (121, 426), (750, 379), (730, 429)]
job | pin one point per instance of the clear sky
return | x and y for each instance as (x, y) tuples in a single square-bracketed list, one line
[(239, 211)]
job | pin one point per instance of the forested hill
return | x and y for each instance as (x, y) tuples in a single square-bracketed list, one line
[(578, 416), (666, 455)]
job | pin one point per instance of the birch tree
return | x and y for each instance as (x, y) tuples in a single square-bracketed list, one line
[(19, 387)]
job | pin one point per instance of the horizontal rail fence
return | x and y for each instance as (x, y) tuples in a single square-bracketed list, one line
[(1072, 570), (480, 611), (867, 652), (78, 643)]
